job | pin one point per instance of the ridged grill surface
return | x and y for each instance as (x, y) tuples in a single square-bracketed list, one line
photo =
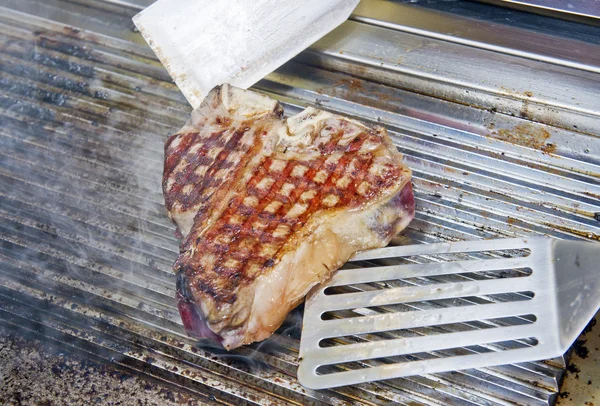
[(87, 249)]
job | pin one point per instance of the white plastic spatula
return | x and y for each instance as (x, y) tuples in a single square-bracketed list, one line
[(205, 43), (419, 309)]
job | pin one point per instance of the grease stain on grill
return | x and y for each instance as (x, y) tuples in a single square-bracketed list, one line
[(580, 233), (548, 149), (512, 221), (70, 49), (357, 90), (593, 195), (526, 135)]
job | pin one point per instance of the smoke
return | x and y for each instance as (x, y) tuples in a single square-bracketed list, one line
[(82, 126), (254, 358)]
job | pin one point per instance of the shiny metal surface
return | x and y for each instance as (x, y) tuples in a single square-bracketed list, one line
[(583, 8), (492, 28), (411, 309), (203, 44), (86, 246), (458, 73)]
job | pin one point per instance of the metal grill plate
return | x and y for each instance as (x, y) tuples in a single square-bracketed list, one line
[(500, 145)]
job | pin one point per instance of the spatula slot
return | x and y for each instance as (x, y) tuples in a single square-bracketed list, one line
[(436, 259), (456, 352), (429, 327), (411, 308), (480, 269), (425, 280), (413, 294), (428, 305), (448, 252)]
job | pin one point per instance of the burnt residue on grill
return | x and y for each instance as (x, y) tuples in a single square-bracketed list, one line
[(581, 373), (33, 92), (526, 135), (580, 233), (31, 366), (357, 90), (70, 68), (35, 73)]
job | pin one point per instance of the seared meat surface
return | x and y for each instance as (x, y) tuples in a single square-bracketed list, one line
[(270, 207)]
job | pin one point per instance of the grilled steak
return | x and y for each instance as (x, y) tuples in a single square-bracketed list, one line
[(270, 207)]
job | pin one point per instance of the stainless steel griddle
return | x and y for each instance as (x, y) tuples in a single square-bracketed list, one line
[(496, 111)]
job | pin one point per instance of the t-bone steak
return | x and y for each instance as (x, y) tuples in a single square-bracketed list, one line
[(269, 207)]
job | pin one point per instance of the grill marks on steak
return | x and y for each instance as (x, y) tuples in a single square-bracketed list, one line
[(253, 183), (198, 164), (251, 232)]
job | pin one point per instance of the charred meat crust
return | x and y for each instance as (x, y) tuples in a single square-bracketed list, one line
[(194, 322)]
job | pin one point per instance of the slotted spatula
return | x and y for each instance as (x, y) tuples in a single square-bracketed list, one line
[(419, 309)]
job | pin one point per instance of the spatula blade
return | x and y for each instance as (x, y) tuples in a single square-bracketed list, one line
[(205, 43)]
